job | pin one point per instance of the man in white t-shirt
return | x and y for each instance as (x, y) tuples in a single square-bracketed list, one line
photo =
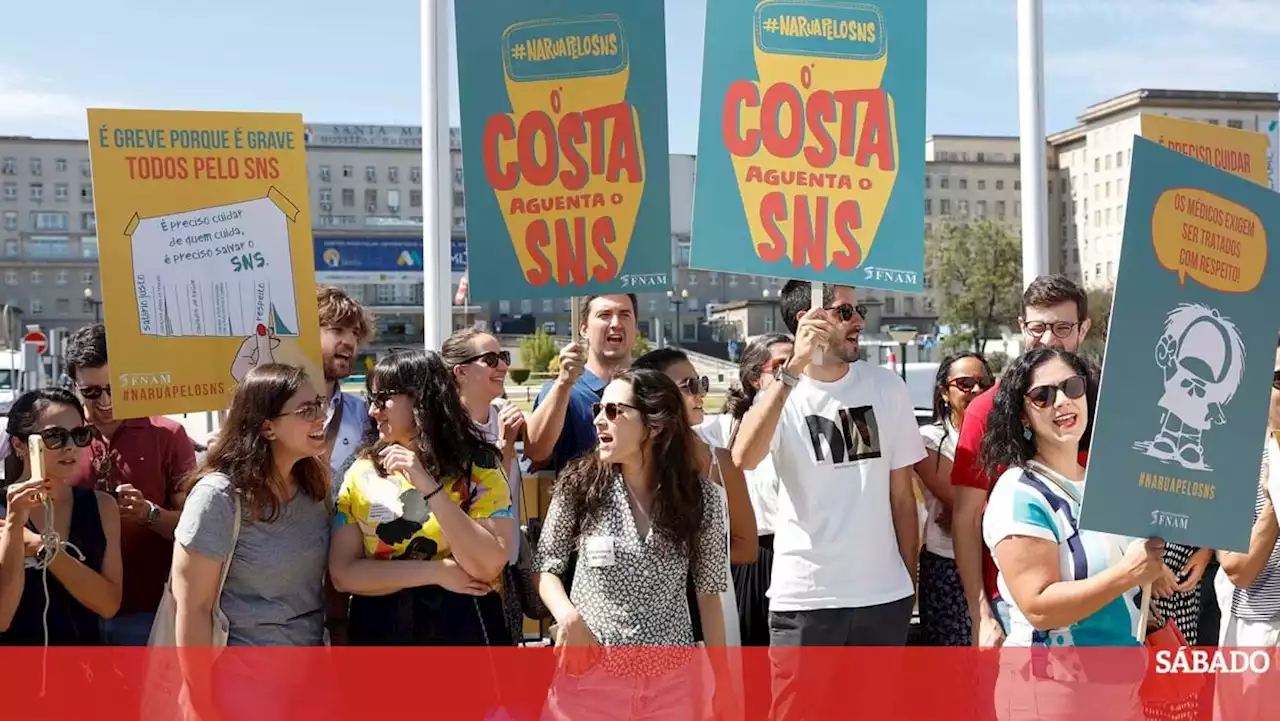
[(847, 534)]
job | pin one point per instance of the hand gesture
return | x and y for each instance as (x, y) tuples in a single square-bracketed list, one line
[(1193, 570), (134, 507), (258, 349), (510, 422), (572, 363), (812, 334), (987, 633), (577, 646), (453, 578), (1165, 584), (396, 457), (1144, 561), (22, 498)]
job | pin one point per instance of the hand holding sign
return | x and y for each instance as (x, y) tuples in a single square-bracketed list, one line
[(258, 349)]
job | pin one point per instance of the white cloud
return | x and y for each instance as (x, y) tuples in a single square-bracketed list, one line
[(28, 106)]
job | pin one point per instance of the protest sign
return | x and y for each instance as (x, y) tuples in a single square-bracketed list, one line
[(1239, 152)]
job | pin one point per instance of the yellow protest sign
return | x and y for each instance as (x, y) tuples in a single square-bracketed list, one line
[(1239, 152), (204, 237), (1218, 242)]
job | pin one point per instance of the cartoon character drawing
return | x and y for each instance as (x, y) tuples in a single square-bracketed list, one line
[(1202, 358)]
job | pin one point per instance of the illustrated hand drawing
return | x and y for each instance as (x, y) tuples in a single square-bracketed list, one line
[(1202, 359), (258, 349)]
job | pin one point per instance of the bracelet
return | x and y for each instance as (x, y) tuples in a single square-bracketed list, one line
[(439, 487)]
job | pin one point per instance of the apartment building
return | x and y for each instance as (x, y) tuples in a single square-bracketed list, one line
[(1090, 164)]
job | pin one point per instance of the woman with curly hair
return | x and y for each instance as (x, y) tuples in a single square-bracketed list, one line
[(1066, 586), (642, 520), (429, 493)]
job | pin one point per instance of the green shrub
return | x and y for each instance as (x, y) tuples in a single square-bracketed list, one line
[(519, 375), (538, 350)]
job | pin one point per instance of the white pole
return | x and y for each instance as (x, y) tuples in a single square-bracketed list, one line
[(436, 174), (815, 301), (1035, 221)]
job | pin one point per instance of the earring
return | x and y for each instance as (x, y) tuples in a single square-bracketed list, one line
[(1026, 432)]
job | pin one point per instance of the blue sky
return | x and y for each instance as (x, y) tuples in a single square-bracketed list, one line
[(338, 61)]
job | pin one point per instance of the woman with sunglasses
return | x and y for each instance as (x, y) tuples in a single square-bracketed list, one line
[(1065, 586), (428, 492), (639, 520), (944, 614), (267, 469), (73, 584)]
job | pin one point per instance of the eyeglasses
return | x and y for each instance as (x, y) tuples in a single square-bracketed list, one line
[(696, 386), (491, 359), (611, 409), (309, 411), (379, 399), (846, 311), (1044, 396), (966, 384), (93, 393), (55, 438), (1275, 380), (1061, 329)]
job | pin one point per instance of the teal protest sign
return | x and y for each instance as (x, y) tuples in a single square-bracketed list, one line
[(564, 136), (810, 160), (1186, 380)]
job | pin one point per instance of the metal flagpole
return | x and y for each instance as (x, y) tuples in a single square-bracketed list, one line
[(1035, 221), (436, 173)]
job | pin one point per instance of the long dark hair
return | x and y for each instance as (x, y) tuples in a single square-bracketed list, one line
[(677, 502), (243, 455), (1005, 445), (23, 415), (743, 393), (448, 440), (942, 409)]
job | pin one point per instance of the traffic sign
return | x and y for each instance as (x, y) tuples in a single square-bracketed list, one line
[(38, 339)]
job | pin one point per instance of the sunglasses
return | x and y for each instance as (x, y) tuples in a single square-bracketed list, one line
[(1036, 329), (491, 359), (1275, 380), (55, 438), (309, 411), (697, 386), (1044, 396), (93, 393), (846, 311), (966, 384), (379, 399), (611, 409)]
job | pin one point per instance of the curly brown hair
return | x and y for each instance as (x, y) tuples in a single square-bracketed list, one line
[(336, 309), (678, 501), (243, 455)]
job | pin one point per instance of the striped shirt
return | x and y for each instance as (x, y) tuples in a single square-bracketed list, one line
[(1261, 601)]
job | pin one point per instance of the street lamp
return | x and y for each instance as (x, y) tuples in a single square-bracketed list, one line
[(903, 335), (97, 304), (678, 299)]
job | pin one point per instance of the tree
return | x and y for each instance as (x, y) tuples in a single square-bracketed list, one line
[(1095, 344), (537, 350), (975, 271), (641, 347)]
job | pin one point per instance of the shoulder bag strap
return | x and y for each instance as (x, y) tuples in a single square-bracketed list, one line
[(1054, 477), (335, 427), (226, 565)]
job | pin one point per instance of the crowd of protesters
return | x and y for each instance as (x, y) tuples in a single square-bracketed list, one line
[(788, 520)]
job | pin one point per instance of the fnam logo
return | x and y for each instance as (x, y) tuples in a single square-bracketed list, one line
[(1170, 520)]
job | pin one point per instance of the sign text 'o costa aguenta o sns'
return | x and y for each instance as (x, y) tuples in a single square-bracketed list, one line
[(564, 131), (205, 249), (810, 164)]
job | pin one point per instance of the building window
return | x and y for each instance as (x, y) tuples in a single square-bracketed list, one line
[(415, 198), (1213, 121), (459, 200), (982, 157), (11, 192), (89, 247), (1097, 219), (87, 277), (60, 192), (86, 192), (928, 181), (49, 220), (324, 173), (64, 277), (37, 167), (9, 167), (1108, 159), (964, 184), (11, 248), (326, 195), (48, 246), (415, 174), (393, 201), (37, 307), (393, 175), (999, 185), (1097, 165), (348, 198), (35, 277), (1237, 124), (890, 305), (962, 207), (11, 277), (370, 174), (60, 165), (982, 209), (526, 307), (348, 171), (1017, 208), (371, 200), (37, 192), (548, 306), (944, 206), (944, 182), (928, 206), (504, 307), (1017, 185), (10, 220), (1000, 209), (1119, 159), (982, 184), (89, 222), (85, 169)]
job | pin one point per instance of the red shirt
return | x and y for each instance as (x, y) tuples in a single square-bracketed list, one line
[(153, 455), (966, 469)]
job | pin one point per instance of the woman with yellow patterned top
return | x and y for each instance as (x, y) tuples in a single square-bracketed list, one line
[(423, 517)]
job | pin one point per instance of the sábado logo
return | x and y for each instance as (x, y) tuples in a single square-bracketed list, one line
[(1201, 660)]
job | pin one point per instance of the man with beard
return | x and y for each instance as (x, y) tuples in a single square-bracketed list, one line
[(844, 440), (143, 462), (344, 326), (562, 426)]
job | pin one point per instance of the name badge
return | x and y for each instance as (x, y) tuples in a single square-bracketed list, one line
[(599, 552)]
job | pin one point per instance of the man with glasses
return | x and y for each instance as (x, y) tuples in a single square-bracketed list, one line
[(142, 462), (1055, 314), (844, 440)]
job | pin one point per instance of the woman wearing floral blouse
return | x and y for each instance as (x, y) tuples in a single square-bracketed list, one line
[(635, 524)]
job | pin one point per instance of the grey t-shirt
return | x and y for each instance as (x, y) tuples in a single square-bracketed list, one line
[(274, 595)]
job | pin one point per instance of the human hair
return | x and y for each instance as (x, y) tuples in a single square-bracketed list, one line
[(585, 306), (942, 409), (797, 297), (447, 439), (457, 348), (1005, 445), (21, 423), (669, 448), (245, 456), (339, 310), (743, 393), (1189, 318), (86, 348), (1047, 291), (660, 359)]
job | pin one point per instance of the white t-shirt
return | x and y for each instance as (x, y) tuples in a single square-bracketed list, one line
[(491, 430), (941, 439), (835, 544), (762, 481)]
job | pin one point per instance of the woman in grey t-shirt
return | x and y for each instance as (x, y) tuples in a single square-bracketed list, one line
[(268, 460)]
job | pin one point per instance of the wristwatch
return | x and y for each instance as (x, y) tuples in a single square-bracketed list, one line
[(153, 513), (784, 377)]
